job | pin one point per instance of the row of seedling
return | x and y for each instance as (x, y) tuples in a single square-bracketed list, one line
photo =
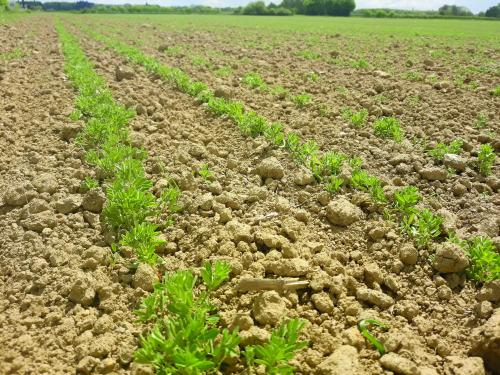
[(131, 208), (422, 225), (185, 336), (390, 127)]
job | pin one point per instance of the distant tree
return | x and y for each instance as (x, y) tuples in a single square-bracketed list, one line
[(454, 10), (329, 7), (3, 5), (493, 11), (256, 8), (296, 6)]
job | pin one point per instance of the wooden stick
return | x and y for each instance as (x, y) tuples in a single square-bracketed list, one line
[(281, 285)]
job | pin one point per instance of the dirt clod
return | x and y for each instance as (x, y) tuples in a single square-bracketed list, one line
[(450, 258), (269, 308), (398, 364), (342, 212)]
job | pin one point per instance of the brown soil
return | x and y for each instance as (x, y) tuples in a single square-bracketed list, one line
[(66, 308)]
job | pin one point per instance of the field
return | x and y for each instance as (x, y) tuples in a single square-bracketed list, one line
[(249, 195)]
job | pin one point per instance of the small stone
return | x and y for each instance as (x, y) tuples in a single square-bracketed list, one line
[(69, 131), (145, 276), (270, 168), (221, 92), (82, 291), (323, 302), (239, 231), (94, 200), (464, 366), (269, 308), (99, 255), (434, 174), (407, 309), (454, 161), (450, 258), (450, 220), (303, 177), (458, 189), (428, 63), (39, 221), (46, 183), (344, 360), (86, 365), (242, 321), (486, 341), (444, 292), (103, 324), (342, 212), (483, 310), (288, 267), (18, 195), (373, 274), (123, 72), (374, 297), (398, 364), (69, 204), (490, 292), (253, 336)]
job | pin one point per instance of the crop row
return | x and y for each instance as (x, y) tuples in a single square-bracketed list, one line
[(357, 55), (185, 336), (328, 167), (388, 127)]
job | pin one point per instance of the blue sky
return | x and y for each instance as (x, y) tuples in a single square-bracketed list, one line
[(474, 5)]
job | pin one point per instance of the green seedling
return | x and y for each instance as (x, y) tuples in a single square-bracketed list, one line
[(279, 91), (360, 64), (254, 80), (301, 100), (363, 326), (214, 276), (200, 61), (312, 76), (422, 225), (331, 163), (309, 55), (438, 152), (307, 151), (481, 121), (250, 123), (484, 260), (414, 76), (405, 199), (324, 110), (170, 198), (205, 172), (356, 163), (388, 127), (292, 142), (276, 354), (486, 159), (224, 71), (274, 134), (361, 180), (334, 185), (144, 240), (496, 91), (355, 118), (185, 338), (90, 183)]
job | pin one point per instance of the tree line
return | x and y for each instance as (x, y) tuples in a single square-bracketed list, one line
[(285, 8)]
